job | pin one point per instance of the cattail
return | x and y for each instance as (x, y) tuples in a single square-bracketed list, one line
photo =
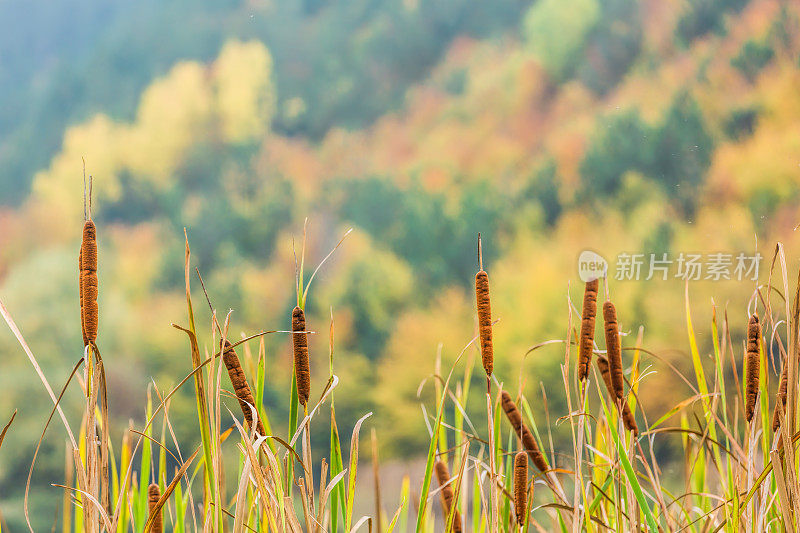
[(520, 486), (240, 387), (302, 370), (613, 347), (153, 495), (587, 328), (485, 320), (446, 493), (88, 282), (752, 366), (780, 400), (627, 417), (523, 433)]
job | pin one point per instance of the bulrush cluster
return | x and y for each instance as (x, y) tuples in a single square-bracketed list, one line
[(752, 369), (302, 368), (523, 433), (241, 387), (446, 493), (587, 328), (520, 486)]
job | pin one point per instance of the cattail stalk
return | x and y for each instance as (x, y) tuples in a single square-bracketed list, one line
[(752, 370), (485, 320), (241, 388), (521, 486), (302, 368), (446, 494), (153, 495), (523, 433), (627, 417), (613, 348), (587, 328), (88, 283)]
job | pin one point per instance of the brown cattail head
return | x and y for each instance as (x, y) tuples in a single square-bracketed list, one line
[(80, 294), (153, 495), (302, 368), (587, 328), (443, 475), (485, 320), (627, 417), (521, 486), (780, 400), (613, 348), (87, 282), (522, 431), (240, 387), (752, 369)]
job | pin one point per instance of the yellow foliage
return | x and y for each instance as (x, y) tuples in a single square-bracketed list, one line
[(245, 95), (60, 187), (173, 113)]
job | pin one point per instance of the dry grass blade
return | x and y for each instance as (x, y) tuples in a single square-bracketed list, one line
[(5, 428), (15, 330), (78, 463), (155, 508)]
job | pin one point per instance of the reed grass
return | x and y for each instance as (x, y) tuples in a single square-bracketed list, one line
[(738, 474)]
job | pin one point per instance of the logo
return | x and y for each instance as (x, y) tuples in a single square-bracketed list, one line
[(591, 266)]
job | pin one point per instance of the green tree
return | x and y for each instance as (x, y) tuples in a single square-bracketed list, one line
[(556, 30), (683, 149), (621, 142)]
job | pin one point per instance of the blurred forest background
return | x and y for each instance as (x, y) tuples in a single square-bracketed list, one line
[(550, 126)]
